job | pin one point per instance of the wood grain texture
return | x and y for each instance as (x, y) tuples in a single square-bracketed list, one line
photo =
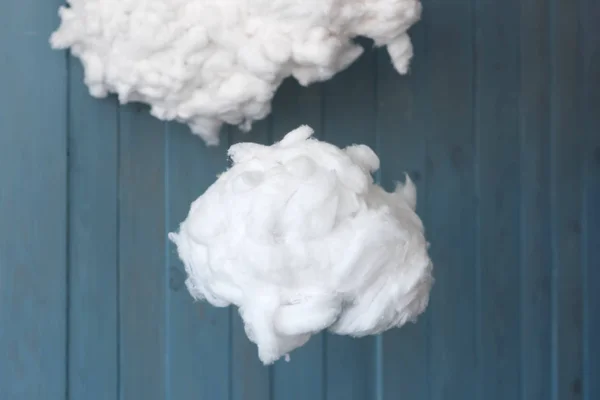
[(590, 68), (535, 259), (451, 204), (566, 201), (143, 282), (33, 205), (498, 164), (93, 242)]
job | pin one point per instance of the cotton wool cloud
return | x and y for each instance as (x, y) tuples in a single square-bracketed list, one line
[(299, 238), (209, 62)]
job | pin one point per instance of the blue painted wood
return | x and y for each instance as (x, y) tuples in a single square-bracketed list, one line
[(498, 168), (143, 282), (566, 201), (401, 106), (590, 33), (349, 107), (451, 205), (498, 125), (535, 259), (93, 222), (198, 344), (303, 377), (33, 205)]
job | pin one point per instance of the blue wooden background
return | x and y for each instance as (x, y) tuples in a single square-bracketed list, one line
[(499, 125)]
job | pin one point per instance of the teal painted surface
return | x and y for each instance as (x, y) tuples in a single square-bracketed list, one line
[(498, 125), (33, 205)]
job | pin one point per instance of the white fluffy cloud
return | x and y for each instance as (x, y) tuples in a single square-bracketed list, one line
[(209, 62), (300, 238)]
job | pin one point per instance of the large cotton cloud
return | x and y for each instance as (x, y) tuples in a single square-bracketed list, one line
[(300, 238), (209, 62)]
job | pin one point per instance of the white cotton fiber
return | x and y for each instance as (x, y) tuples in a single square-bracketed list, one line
[(299, 237), (209, 62)]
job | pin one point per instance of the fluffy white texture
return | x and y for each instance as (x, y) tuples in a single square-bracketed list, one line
[(209, 62), (299, 237)]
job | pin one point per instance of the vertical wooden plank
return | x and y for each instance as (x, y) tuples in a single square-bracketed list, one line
[(497, 124), (302, 377), (590, 11), (142, 275), (591, 339), (349, 117), (451, 206), (295, 105), (400, 123), (33, 213), (250, 380), (93, 161), (536, 251), (566, 201), (199, 335)]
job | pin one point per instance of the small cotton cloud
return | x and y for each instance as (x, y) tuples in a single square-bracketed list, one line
[(299, 237), (209, 62)]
